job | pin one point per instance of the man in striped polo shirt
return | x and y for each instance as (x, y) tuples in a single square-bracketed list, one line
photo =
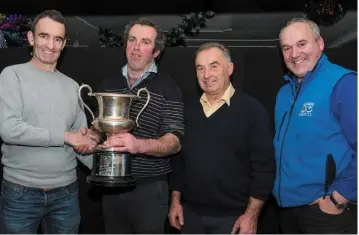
[(144, 209)]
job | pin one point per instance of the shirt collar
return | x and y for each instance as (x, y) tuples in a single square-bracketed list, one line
[(151, 69), (226, 96)]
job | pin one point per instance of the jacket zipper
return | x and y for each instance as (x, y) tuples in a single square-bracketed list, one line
[(281, 124), (284, 135)]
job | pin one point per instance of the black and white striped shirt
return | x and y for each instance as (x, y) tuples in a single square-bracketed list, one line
[(163, 114)]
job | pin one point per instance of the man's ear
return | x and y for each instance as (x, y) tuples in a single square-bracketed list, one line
[(321, 43), (156, 54), (64, 44), (30, 38), (230, 68)]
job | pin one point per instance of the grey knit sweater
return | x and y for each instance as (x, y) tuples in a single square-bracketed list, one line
[(36, 109)]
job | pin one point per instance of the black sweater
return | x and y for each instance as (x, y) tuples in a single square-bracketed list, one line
[(225, 158)]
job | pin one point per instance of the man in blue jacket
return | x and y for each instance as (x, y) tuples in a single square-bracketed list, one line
[(316, 137)]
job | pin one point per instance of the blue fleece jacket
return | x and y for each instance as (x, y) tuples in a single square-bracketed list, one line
[(307, 131)]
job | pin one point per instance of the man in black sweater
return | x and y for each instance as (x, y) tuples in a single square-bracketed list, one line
[(226, 168), (143, 209)]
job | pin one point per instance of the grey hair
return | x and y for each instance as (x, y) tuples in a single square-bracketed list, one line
[(314, 27), (217, 45)]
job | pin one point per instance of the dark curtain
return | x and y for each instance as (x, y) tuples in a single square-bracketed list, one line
[(258, 71)]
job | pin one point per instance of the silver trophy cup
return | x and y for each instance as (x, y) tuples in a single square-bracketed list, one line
[(112, 168)]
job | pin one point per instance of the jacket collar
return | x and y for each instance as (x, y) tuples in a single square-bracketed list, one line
[(293, 79)]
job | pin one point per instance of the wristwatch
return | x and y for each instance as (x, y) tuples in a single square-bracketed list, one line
[(338, 205)]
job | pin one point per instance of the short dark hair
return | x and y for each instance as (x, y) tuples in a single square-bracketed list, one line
[(51, 14), (160, 40)]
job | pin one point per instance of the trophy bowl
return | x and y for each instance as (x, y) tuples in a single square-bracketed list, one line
[(112, 168), (113, 126)]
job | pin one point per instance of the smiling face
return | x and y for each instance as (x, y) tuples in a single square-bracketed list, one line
[(47, 40), (140, 47), (213, 71), (301, 48)]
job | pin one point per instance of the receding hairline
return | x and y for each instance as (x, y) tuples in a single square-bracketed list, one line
[(304, 21), (35, 32), (219, 47)]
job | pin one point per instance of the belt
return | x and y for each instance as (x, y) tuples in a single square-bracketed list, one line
[(40, 189), (37, 189), (46, 189)]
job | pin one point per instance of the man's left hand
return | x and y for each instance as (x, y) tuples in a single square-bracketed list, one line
[(123, 142), (327, 206), (246, 224)]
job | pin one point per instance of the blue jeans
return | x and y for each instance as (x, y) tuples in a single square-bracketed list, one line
[(23, 209)]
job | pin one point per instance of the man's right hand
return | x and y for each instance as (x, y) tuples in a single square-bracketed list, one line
[(175, 215), (78, 140), (88, 149)]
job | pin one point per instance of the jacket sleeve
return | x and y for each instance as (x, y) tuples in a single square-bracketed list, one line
[(344, 107)]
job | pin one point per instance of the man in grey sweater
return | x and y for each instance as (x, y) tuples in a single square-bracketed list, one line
[(41, 121)]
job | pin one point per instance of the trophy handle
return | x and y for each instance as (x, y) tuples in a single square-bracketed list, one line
[(89, 94), (148, 100)]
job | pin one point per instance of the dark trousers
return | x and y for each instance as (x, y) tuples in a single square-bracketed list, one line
[(142, 209), (200, 224), (311, 219)]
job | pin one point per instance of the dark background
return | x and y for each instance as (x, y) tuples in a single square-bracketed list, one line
[(106, 7), (258, 71)]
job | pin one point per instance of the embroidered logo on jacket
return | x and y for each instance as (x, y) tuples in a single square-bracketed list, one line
[(307, 109)]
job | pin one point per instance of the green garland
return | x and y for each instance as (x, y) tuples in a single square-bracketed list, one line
[(190, 26)]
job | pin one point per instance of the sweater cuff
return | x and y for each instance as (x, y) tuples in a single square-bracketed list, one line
[(56, 137), (174, 184), (261, 197), (260, 193), (179, 135)]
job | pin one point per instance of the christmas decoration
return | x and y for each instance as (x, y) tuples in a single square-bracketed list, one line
[(325, 12), (109, 38), (190, 26), (13, 28), (3, 43)]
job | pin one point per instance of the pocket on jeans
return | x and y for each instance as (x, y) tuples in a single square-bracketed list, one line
[(11, 191), (316, 208), (72, 189)]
